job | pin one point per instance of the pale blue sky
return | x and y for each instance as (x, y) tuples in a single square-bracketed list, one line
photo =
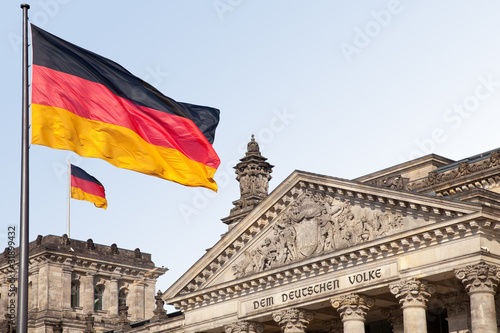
[(332, 87)]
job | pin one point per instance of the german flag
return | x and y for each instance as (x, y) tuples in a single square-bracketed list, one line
[(86, 187), (91, 105)]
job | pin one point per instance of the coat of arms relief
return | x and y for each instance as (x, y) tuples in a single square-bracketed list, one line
[(314, 224)]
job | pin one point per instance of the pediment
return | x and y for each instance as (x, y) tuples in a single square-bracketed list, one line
[(310, 216)]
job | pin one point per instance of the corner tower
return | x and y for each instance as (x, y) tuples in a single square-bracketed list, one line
[(253, 173)]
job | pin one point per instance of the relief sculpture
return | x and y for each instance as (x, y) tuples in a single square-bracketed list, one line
[(315, 224)]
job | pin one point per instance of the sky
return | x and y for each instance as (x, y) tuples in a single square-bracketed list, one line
[(338, 88)]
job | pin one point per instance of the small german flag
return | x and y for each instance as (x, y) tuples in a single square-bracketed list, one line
[(86, 187), (88, 104)]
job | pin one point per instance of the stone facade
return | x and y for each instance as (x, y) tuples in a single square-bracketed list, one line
[(77, 286), (412, 248)]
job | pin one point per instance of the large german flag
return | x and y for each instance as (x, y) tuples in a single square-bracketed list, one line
[(91, 105), (86, 187)]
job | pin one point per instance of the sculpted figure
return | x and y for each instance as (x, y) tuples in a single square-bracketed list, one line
[(268, 255)]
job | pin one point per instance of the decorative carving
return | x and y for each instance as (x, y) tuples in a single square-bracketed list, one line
[(253, 173), (481, 277), (462, 169), (456, 303), (397, 182), (395, 316), (293, 319), (137, 253), (332, 326), (90, 244), (89, 323), (123, 322), (315, 224), (352, 306), (114, 248), (7, 325), (39, 240), (65, 239), (159, 313), (244, 327), (412, 292)]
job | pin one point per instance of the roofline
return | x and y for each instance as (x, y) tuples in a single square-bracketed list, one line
[(437, 160)]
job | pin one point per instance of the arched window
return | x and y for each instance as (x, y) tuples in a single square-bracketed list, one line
[(122, 296), (75, 294), (98, 292)]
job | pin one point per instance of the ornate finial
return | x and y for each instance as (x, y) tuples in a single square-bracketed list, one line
[(253, 147), (159, 312), (89, 323), (65, 239), (253, 173), (123, 322)]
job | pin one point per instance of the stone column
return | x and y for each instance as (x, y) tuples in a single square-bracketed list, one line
[(66, 287), (394, 316), (88, 293), (458, 309), (137, 301), (413, 295), (481, 282), (244, 327), (353, 309), (293, 320), (113, 297), (149, 296), (33, 296)]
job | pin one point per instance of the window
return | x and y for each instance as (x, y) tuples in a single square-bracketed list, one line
[(98, 291), (122, 296), (75, 294)]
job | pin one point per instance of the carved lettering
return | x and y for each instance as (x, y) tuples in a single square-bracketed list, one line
[(365, 276), (311, 290), (263, 303)]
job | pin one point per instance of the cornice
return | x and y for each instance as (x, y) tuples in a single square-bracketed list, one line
[(460, 177), (431, 159), (80, 262)]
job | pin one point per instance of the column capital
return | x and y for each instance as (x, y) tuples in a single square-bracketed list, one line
[(352, 306), (481, 277), (332, 326), (456, 303), (394, 315), (244, 327), (293, 319), (412, 292)]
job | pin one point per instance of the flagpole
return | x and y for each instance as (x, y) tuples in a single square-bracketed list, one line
[(22, 307), (69, 200)]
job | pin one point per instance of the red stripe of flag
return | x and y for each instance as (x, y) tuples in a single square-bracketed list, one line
[(88, 187), (155, 127)]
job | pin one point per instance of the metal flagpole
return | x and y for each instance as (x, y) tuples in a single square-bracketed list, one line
[(69, 199), (22, 306)]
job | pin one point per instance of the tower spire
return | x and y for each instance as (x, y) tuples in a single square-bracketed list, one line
[(253, 173)]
